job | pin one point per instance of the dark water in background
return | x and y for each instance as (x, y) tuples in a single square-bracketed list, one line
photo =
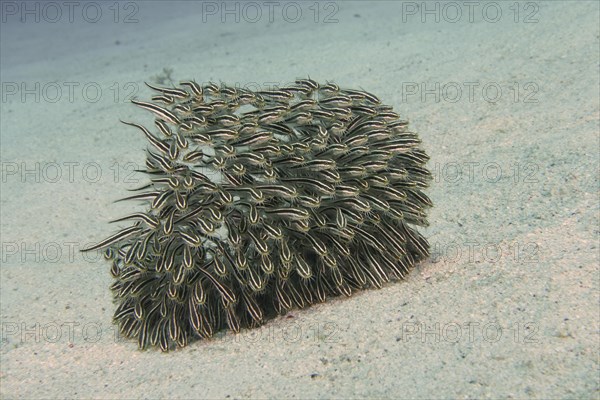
[(53, 64)]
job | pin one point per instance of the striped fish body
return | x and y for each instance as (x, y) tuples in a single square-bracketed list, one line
[(259, 201)]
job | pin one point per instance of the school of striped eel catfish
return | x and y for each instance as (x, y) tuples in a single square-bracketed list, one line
[(262, 201)]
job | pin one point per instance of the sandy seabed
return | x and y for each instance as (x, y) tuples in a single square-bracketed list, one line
[(505, 96)]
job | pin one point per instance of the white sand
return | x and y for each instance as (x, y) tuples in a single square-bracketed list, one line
[(508, 306)]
